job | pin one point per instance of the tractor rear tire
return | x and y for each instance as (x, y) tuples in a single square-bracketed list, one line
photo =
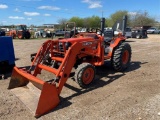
[(27, 35), (138, 37), (13, 36), (85, 74), (121, 57)]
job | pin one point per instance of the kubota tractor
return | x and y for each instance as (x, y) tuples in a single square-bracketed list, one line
[(21, 32), (83, 51)]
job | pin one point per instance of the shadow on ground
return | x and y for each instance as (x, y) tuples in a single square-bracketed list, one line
[(102, 71), (129, 40)]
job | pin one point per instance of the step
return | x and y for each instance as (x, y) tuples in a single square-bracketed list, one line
[(44, 67), (57, 59)]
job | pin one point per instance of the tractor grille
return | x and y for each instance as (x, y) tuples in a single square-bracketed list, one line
[(61, 47)]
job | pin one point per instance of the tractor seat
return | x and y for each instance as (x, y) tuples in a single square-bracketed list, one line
[(108, 35), (108, 39)]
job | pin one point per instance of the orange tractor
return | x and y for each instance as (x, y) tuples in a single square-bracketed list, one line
[(83, 51), (20, 31)]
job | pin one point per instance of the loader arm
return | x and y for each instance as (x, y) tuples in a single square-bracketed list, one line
[(67, 65), (63, 72)]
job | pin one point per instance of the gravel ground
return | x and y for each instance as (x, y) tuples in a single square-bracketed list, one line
[(132, 95)]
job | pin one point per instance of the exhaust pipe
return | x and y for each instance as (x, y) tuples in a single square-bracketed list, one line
[(124, 24), (102, 25)]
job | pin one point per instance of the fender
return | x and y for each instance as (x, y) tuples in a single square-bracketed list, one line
[(114, 43)]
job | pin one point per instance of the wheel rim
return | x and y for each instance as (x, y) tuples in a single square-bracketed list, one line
[(88, 76), (20, 35), (125, 57), (137, 36)]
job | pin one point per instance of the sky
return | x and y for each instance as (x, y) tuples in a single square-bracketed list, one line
[(39, 12)]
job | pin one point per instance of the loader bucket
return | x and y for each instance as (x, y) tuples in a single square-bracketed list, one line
[(39, 96)]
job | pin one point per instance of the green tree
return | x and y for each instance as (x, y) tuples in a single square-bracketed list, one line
[(118, 16), (86, 22), (77, 20), (92, 22), (109, 22), (134, 19), (95, 21)]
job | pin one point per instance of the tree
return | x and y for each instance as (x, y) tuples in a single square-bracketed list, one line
[(62, 23), (115, 17), (108, 22), (95, 21), (92, 22), (86, 22), (134, 19), (141, 19), (77, 20)]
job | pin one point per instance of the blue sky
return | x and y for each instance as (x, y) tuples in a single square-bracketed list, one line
[(39, 12)]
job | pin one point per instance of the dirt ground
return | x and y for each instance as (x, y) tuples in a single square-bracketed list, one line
[(132, 95)]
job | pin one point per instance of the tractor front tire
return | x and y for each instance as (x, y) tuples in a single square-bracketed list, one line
[(121, 57), (85, 74), (13, 36)]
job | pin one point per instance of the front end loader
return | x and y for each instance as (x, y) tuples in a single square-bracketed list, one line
[(84, 52)]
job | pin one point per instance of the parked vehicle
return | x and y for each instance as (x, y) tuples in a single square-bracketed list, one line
[(48, 34), (66, 34), (2, 32), (82, 30), (128, 32), (153, 30), (139, 33), (59, 32), (20, 31), (34, 33)]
